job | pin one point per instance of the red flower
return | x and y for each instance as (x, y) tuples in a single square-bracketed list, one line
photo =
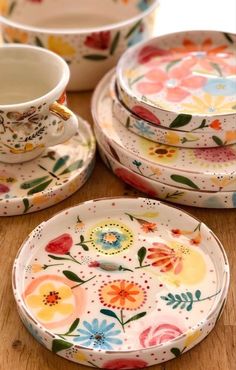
[(216, 125), (153, 336), (145, 114), (60, 245), (98, 40), (126, 363), (4, 189), (176, 232), (196, 240), (94, 264), (149, 52), (135, 180), (166, 258), (148, 227)]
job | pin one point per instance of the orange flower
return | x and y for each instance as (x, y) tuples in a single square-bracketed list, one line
[(16, 36), (166, 258), (149, 227), (216, 125), (36, 267), (196, 240), (230, 135), (122, 294)]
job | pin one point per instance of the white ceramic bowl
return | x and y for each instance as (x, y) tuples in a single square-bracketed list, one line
[(89, 37)]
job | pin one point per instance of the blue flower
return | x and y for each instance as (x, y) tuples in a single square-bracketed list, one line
[(221, 86), (110, 239), (34, 332), (136, 37), (143, 128), (143, 5), (98, 335)]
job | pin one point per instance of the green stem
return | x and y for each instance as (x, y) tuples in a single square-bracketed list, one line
[(92, 364), (85, 281), (142, 267), (122, 320), (198, 227), (73, 259), (56, 264), (131, 83)]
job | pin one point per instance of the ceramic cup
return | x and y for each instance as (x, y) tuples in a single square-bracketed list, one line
[(91, 37), (31, 119)]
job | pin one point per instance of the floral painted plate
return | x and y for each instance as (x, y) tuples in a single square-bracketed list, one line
[(130, 287), (186, 80), (50, 178), (212, 169), (163, 135), (173, 194)]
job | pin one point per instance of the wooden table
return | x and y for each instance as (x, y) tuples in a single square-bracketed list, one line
[(19, 351)]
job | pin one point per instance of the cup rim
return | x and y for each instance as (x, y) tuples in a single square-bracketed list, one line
[(81, 31), (59, 86)]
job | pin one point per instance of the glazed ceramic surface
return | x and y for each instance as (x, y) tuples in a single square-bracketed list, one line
[(199, 169), (49, 179), (128, 290), (173, 194), (186, 80), (32, 80), (89, 37), (163, 135)]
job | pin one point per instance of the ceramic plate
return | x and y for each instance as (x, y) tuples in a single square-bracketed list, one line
[(128, 290), (173, 194), (163, 135), (50, 178), (199, 169), (185, 79)]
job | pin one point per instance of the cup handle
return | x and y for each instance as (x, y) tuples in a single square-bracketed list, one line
[(70, 123)]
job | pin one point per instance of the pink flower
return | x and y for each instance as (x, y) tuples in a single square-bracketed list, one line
[(166, 258), (176, 83), (98, 40), (126, 363), (145, 114), (60, 245), (152, 336)]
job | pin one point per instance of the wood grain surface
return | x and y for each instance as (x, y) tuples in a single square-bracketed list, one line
[(18, 349)]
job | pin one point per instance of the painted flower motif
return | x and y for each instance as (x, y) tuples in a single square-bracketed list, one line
[(33, 331), (50, 301), (148, 227), (176, 83), (230, 136), (36, 267), (221, 87), (149, 52), (6, 181), (176, 232), (192, 337), (166, 258), (143, 5), (59, 46), (98, 335), (135, 181), (111, 237), (15, 35), (145, 114), (98, 40), (136, 37), (126, 363), (122, 294), (209, 104), (215, 155), (143, 129), (154, 335), (60, 245), (172, 138), (39, 199), (216, 125), (223, 181), (159, 152), (3, 7)]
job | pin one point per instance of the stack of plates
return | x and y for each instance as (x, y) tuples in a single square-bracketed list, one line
[(165, 122)]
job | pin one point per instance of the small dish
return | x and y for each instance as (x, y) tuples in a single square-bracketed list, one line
[(90, 38), (163, 135), (54, 176), (173, 194), (187, 80), (204, 169), (95, 289)]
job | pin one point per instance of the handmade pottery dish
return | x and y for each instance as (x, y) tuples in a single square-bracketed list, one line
[(31, 119), (50, 178), (205, 169), (186, 80), (89, 37), (173, 194), (163, 135), (97, 291)]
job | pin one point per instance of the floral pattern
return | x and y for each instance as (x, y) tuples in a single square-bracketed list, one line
[(152, 336), (125, 363)]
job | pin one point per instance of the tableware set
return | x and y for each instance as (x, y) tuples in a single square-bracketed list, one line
[(116, 283)]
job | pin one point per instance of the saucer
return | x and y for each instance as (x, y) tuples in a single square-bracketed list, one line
[(187, 80), (203, 169), (135, 286), (173, 194), (54, 176)]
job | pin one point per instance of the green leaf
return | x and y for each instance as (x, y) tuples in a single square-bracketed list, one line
[(184, 297), (32, 183), (85, 247), (109, 313), (190, 306), (190, 296), (115, 43), (228, 37), (141, 255), (217, 68), (72, 276), (181, 120), (73, 326), (217, 140), (133, 29), (56, 258), (171, 296), (95, 57), (39, 188), (127, 124), (198, 294), (184, 180), (26, 205), (74, 166), (203, 124), (176, 351), (11, 8), (136, 317), (81, 238), (60, 163), (60, 345), (171, 64), (38, 42)]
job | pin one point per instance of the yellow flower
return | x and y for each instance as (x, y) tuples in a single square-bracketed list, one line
[(230, 135), (80, 356), (222, 182), (156, 171), (149, 214), (16, 36), (61, 47), (36, 267), (172, 138), (50, 301), (39, 199), (158, 153), (192, 337), (3, 7), (209, 104)]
